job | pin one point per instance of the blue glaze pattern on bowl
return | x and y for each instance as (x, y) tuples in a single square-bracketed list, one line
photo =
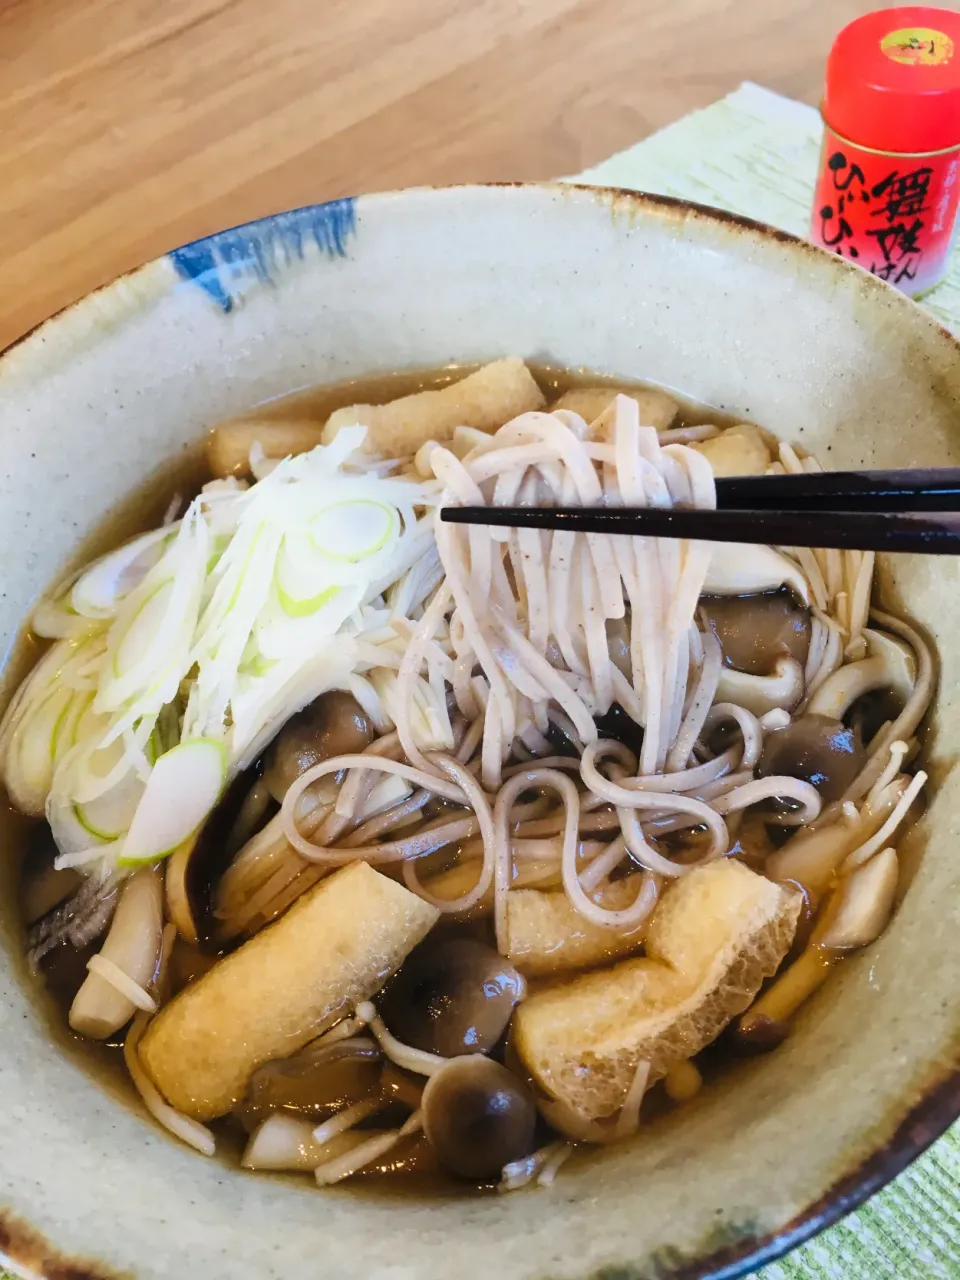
[(225, 263)]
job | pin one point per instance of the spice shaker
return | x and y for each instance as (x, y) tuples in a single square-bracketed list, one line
[(889, 179)]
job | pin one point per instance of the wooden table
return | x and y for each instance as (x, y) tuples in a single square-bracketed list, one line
[(130, 126)]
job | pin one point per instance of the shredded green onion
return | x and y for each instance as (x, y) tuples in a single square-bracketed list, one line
[(207, 634)]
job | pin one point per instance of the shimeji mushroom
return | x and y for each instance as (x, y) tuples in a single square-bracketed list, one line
[(453, 996), (334, 725), (478, 1117), (865, 904), (855, 917), (889, 665), (115, 986), (782, 689), (816, 748), (812, 858), (755, 631), (737, 570)]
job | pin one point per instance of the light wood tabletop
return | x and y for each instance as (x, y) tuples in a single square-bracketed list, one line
[(129, 126)]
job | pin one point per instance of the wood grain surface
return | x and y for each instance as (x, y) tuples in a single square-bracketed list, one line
[(130, 126)]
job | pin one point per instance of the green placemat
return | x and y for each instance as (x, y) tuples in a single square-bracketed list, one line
[(755, 154)]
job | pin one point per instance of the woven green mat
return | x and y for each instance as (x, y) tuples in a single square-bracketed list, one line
[(755, 154)]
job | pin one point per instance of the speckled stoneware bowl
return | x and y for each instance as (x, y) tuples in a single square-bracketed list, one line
[(731, 313)]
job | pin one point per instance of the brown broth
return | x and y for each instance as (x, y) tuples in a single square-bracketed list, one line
[(144, 509), (316, 403)]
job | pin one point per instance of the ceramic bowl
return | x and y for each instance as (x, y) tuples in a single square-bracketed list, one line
[(734, 314)]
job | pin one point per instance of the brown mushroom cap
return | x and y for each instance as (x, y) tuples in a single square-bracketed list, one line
[(452, 996), (319, 1080), (478, 1117), (755, 630), (818, 749), (334, 725)]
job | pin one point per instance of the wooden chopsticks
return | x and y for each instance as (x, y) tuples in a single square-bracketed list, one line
[(915, 511)]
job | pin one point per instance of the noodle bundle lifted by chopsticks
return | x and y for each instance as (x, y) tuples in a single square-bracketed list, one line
[(515, 593)]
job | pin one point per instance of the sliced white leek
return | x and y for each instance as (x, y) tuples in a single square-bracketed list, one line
[(354, 529), (140, 629), (97, 769), (217, 628), (36, 688), (67, 732), (301, 594), (55, 618), (99, 590), (305, 607), (31, 755), (183, 788), (294, 637), (148, 650), (69, 833), (108, 816)]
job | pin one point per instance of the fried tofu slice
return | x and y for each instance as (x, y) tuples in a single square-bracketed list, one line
[(738, 451), (546, 934), (717, 934), (336, 946), (484, 400), (229, 443), (657, 409)]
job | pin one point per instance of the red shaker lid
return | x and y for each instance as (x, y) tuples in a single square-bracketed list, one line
[(893, 80)]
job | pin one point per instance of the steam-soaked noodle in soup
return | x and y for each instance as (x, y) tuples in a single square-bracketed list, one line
[(408, 844)]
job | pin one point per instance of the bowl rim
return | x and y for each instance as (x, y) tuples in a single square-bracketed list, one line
[(611, 194), (939, 1105)]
